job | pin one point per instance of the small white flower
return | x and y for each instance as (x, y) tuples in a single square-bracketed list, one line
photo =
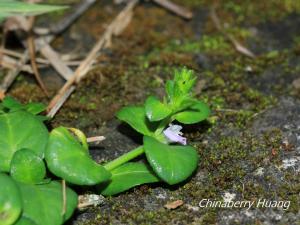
[(173, 134)]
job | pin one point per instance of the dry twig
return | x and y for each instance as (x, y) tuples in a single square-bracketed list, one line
[(11, 63), (96, 139), (84, 67), (239, 47), (178, 10), (55, 60), (58, 104), (15, 54), (16, 24), (31, 49), (53, 57), (12, 74)]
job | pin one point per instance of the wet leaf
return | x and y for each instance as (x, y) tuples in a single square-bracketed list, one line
[(155, 110), (43, 204), (173, 164), (68, 159), (27, 167), (19, 130), (24, 221), (135, 116), (10, 200), (127, 176), (194, 114)]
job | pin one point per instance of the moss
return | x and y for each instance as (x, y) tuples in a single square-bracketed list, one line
[(256, 11), (138, 64), (209, 218), (206, 44), (220, 164)]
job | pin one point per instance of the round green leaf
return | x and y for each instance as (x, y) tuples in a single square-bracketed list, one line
[(27, 167), (127, 176), (25, 221), (194, 114), (155, 110), (10, 200), (43, 204), (135, 116), (173, 164), (20, 130), (68, 159)]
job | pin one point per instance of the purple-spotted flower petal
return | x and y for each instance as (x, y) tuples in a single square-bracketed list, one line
[(173, 134)]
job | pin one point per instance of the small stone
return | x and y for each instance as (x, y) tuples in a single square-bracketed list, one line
[(296, 83), (228, 197), (259, 171), (87, 200)]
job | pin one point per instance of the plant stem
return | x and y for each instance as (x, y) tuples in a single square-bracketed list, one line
[(124, 158), (162, 125)]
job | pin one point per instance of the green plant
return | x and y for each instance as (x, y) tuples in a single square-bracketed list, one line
[(29, 196), (169, 163), (13, 8)]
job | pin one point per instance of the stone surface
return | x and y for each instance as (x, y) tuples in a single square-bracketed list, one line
[(249, 147)]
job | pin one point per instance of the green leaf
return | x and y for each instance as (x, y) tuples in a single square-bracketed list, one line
[(127, 176), (135, 116), (68, 159), (11, 104), (42, 118), (43, 204), (25, 221), (170, 89), (27, 167), (18, 130), (14, 8), (4, 15), (35, 108), (155, 110), (184, 81), (185, 104), (180, 88), (10, 200), (173, 164), (194, 114)]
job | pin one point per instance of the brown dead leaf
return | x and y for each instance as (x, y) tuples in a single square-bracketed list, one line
[(274, 151), (174, 205)]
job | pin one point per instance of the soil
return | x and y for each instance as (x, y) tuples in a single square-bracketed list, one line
[(249, 147)]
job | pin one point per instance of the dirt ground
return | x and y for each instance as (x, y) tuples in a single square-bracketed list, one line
[(249, 147)]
